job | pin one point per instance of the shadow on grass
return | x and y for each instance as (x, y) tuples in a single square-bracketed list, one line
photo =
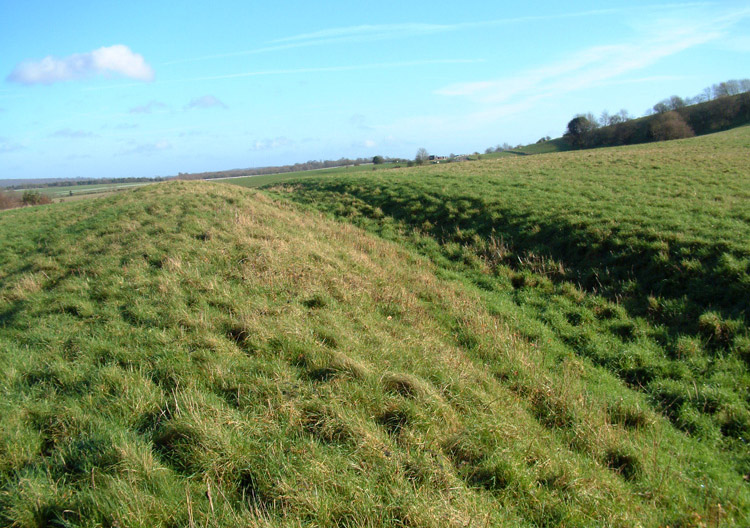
[(618, 267)]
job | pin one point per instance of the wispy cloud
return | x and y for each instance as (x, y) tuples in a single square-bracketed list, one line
[(118, 60), (377, 32), (148, 108), (72, 134), (260, 145), (206, 101), (296, 71), (333, 69), (367, 32), (595, 66)]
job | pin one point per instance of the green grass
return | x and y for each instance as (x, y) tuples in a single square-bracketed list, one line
[(636, 259), (198, 354), (547, 147)]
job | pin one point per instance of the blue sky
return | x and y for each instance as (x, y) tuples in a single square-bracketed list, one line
[(144, 88)]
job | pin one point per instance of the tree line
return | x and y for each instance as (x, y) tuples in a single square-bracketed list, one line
[(719, 107)]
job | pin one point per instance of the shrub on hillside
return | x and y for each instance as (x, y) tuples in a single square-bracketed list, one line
[(35, 198), (669, 125)]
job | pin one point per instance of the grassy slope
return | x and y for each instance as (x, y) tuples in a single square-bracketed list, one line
[(547, 147), (657, 235), (194, 354)]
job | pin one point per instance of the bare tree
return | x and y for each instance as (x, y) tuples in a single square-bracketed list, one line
[(676, 102), (422, 156)]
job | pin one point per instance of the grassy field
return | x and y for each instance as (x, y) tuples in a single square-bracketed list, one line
[(265, 180), (484, 348)]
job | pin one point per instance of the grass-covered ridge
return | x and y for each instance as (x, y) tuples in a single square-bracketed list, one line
[(658, 233), (657, 237), (196, 354)]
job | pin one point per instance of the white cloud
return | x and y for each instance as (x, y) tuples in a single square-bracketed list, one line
[(117, 59), (369, 143), (595, 66), (207, 101), (270, 144)]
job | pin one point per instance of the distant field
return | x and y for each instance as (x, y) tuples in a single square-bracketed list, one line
[(261, 181), (79, 190)]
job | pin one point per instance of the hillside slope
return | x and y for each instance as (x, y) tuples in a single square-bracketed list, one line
[(197, 354), (635, 258)]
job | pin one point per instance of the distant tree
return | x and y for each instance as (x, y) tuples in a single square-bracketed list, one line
[(669, 125), (377, 160), (676, 102), (422, 156), (579, 130), (661, 107), (619, 117), (726, 88)]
